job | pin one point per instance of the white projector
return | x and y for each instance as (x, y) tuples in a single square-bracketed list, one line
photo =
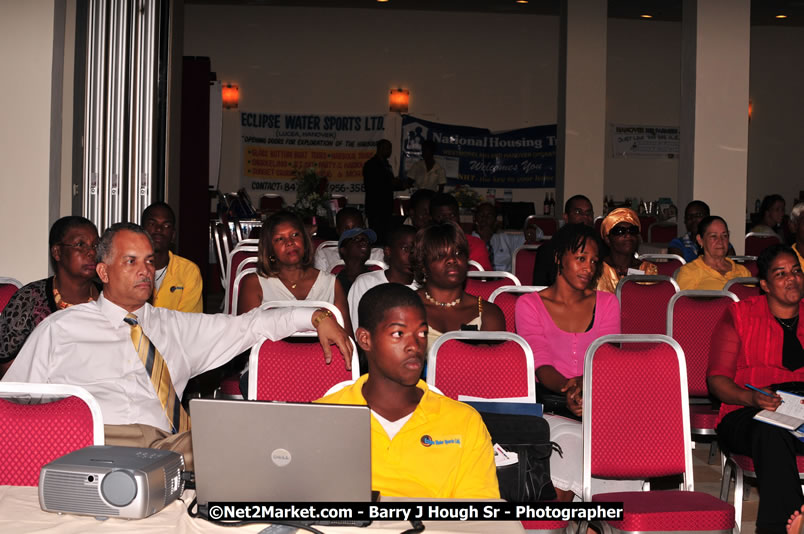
[(107, 481)]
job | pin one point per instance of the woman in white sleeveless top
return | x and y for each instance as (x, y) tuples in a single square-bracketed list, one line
[(285, 269)]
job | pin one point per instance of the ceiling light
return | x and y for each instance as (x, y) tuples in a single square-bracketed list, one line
[(521, 1), (382, 1), (646, 16), (781, 16)]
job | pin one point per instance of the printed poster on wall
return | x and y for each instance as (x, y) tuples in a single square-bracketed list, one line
[(477, 157), (276, 144), (629, 141)]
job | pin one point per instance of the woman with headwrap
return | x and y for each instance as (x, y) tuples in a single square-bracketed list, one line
[(620, 230)]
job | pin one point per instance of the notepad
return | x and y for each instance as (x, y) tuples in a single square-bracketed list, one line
[(789, 415)]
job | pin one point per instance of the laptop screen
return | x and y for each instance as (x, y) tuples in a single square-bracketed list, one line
[(280, 452)]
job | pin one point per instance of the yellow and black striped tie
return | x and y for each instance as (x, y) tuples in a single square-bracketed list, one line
[(160, 376)]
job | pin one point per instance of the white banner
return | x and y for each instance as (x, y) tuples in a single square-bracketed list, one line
[(629, 141)]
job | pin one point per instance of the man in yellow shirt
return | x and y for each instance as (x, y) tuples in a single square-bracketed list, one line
[(177, 282), (423, 444), (797, 227)]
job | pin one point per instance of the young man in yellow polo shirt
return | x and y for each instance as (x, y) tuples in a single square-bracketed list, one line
[(423, 444)]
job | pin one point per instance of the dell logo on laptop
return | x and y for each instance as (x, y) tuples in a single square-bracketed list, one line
[(280, 457)]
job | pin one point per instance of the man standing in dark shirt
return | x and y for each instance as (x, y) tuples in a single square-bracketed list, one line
[(578, 209), (379, 183)]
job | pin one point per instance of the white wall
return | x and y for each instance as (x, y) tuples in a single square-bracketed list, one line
[(775, 155), (475, 69), (644, 66), (488, 70), (27, 42)]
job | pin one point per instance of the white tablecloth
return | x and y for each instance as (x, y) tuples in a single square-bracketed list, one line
[(20, 512)]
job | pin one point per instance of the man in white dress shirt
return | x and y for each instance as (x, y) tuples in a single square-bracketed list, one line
[(90, 345)]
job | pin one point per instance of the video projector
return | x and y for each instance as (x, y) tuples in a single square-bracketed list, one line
[(107, 481)]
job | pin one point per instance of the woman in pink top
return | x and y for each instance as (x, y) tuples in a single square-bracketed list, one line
[(559, 323)]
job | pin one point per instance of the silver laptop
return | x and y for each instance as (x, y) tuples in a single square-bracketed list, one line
[(280, 452)]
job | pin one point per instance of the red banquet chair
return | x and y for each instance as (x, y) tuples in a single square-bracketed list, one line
[(523, 262), (661, 232), (749, 262), (643, 303), (69, 418), (667, 264), (483, 283), (8, 286), (649, 423), (293, 369), (741, 467), (271, 202), (500, 371), (692, 317), (743, 287), (240, 258), (756, 242), (549, 225), (505, 297)]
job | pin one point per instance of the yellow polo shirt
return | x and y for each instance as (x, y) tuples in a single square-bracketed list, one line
[(443, 451), (698, 275), (181, 289), (800, 259)]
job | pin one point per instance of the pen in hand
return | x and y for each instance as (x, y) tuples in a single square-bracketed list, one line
[(749, 386)]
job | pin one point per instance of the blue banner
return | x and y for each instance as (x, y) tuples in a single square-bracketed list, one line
[(477, 157)]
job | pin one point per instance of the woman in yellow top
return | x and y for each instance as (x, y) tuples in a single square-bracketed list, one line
[(620, 230), (712, 269)]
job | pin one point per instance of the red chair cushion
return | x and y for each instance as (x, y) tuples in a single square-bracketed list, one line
[(670, 511), (487, 371), (230, 385), (743, 291), (702, 417), (36, 434), (755, 244), (667, 268), (544, 525), (747, 464), (296, 372)]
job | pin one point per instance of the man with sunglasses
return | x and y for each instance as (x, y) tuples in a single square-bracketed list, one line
[(177, 282), (577, 210)]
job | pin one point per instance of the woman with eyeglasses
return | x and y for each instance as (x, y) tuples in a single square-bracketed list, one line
[(712, 269), (72, 243), (620, 231)]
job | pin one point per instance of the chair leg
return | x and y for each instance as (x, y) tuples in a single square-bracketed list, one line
[(738, 494), (714, 451), (725, 481)]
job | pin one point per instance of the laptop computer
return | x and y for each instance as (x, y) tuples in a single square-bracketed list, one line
[(258, 451)]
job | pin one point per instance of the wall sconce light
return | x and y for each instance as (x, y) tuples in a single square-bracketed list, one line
[(750, 109), (398, 100), (230, 94)]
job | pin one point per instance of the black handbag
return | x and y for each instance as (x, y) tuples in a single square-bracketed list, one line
[(528, 436)]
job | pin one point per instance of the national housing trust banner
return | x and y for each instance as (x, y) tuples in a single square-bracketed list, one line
[(477, 157), (275, 144)]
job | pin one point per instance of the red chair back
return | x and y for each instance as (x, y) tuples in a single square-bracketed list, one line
[(524, 260), (645, 222), (549, 225), (483, 283), (626, 391), (294, 371), (36, 434), (743, 287), (7, 290), (643, 303), (691, 320), (271, 202), (506, 300), (502, 370), (756, 243), (662, 232), (749, 262)]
